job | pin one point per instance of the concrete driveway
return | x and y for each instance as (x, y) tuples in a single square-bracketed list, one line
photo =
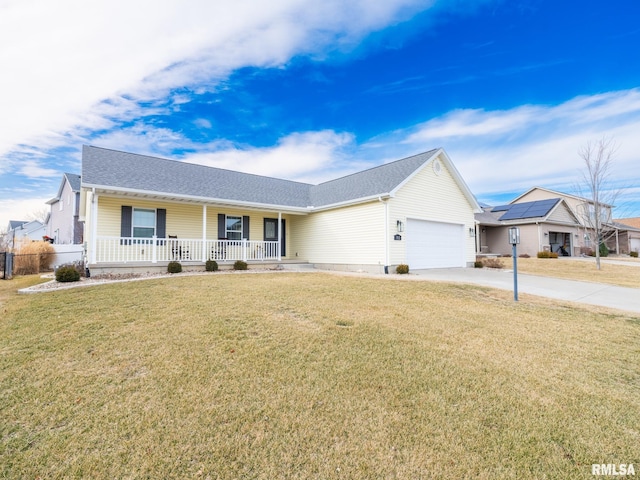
[(581, 292)]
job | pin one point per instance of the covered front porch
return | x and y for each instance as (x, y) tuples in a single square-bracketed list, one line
[(127, 230), (158, 250)]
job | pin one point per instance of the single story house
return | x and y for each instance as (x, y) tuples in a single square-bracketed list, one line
[(64, 225), (627, 235), (142, 212), (545, 225)]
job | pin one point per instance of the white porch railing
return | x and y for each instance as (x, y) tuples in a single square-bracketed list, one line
[(153, 250)]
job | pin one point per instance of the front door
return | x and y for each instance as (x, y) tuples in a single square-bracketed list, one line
[(271, 233)]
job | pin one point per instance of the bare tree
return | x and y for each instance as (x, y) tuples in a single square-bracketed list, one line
[(598, 187), (39, 214)]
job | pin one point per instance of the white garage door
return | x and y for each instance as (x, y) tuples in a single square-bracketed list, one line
[(635, 244), (434, 244)]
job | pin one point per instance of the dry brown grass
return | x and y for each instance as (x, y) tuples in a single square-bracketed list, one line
[(584, 270), (33, 257), (312, 376)]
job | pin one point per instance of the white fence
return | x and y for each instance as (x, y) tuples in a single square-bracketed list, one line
[(153, 250), (67, 254)]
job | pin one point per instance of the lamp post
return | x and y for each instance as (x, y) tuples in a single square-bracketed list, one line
[(514, 239)]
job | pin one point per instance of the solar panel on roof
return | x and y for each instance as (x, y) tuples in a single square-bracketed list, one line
[(501, 208), (538, 208)]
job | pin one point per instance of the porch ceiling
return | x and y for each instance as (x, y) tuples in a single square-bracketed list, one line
[(164, 197)]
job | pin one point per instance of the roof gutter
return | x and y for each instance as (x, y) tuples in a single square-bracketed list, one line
[(198, 199)]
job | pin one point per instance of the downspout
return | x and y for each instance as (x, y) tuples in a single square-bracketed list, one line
[(386, 234)]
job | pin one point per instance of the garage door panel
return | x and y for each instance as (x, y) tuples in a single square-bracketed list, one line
[(434, 244)]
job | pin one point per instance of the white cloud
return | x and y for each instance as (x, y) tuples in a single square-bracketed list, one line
[(71, 63), (20, 209), (31, 169), (310, 157), (531, 145)]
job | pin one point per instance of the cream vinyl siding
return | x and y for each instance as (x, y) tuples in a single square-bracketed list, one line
[(351, 235), (256, 224), (183, 220), (427, 196)]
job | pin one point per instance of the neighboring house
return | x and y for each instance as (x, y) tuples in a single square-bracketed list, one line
[(569, 229), (616, 236), (64, 226), (545, 225), (628, 234), (19, 231), (144, 211)]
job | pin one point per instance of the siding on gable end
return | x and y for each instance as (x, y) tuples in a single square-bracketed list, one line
[(350, 235), (561, 214), (61, 222), (428, 196)]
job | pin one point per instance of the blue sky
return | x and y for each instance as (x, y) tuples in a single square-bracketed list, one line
[(310, 91)]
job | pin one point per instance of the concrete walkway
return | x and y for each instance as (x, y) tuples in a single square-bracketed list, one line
[(600, 294)]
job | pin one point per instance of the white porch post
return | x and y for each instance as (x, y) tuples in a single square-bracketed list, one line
[(94, 226), (204, 233), (154, 249), (279, 236)]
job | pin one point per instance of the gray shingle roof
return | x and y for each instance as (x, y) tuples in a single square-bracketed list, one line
[(74, 181), (120, 170), (374, 181), (111, 168)]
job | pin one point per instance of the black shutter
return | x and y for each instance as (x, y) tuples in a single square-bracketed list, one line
[(245, 227), (222, 229), (126, 218), (161, 222)]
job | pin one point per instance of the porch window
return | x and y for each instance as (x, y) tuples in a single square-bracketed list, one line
[(233, 228), (144, 223)]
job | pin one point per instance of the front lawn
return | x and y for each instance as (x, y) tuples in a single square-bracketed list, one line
[(581, 270), (290, 375)]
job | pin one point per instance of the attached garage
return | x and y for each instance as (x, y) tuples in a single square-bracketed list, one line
[(634, 244), (434, 244)]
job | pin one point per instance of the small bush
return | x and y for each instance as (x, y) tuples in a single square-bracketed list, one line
[(478, 264), (174, 267), (587, 251), (604, 251), (492, 262), (633, 254), (67, 273), (524, 255), (402, 269), (211, 266), (240, 265), (544, 254), (553, 255)]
